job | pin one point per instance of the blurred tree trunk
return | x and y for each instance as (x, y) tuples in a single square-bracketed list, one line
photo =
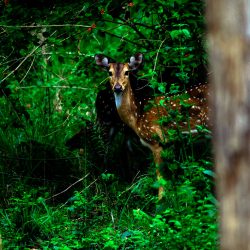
[(229, 51)]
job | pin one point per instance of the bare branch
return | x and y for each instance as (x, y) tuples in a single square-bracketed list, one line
[(20, 64), (55, 86), (44, 26)]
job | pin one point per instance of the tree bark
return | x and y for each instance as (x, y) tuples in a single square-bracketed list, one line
[(229, 53)]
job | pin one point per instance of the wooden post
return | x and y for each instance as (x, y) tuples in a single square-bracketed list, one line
[(229, 54)]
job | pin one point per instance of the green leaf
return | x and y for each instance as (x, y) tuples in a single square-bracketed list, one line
[(210, 173), (162, 88)]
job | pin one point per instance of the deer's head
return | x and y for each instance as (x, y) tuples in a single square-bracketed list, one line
[(119, 72)]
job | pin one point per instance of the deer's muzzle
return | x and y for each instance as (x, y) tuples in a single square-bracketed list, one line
[(118, 88)]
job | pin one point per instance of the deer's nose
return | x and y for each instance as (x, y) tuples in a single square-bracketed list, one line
[(118, 88)]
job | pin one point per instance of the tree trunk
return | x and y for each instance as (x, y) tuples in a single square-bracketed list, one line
[(229, 52)]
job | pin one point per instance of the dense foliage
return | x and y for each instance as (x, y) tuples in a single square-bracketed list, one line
[(64, 185)]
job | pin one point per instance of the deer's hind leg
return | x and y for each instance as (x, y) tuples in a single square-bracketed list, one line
[(157, 149)]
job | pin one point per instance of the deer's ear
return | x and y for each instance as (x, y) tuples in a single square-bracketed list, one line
[(136, 61), (102, 60)]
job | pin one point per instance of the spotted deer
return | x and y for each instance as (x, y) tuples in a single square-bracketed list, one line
[(145, 121)]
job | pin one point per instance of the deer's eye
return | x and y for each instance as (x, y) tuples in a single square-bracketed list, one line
[(110, 73), (126, 73)]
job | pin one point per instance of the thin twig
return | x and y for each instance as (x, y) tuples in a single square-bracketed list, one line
[(122, 38), (156, 58), (83, 189), (144, 86), (133, 26), (45, 26), (28, 70), (132, 186), (20, 64), (65, 190), (90, 184), (56, 86)]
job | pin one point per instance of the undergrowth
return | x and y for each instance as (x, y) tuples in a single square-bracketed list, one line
[(103, 212), (92, 219)]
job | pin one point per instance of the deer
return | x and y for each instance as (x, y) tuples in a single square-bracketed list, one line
[(145, 122)]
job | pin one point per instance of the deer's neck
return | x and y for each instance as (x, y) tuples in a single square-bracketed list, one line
[(127, 107)]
